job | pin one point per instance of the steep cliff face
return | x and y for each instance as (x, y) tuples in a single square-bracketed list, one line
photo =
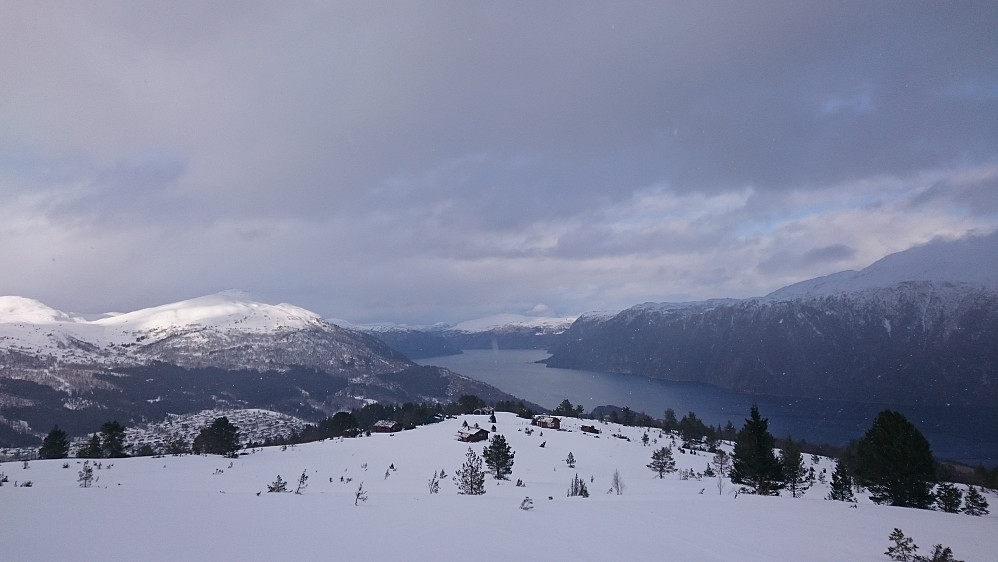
[(910, 342)]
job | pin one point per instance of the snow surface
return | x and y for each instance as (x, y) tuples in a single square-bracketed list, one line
[(200, 508)]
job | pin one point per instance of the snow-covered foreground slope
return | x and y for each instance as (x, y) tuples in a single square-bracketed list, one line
[(188, 508)]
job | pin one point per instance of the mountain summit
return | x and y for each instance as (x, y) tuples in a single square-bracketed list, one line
[(221, 350)]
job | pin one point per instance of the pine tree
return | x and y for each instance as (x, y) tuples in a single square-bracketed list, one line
[(302, 482), (894, 461), (112, 440), (177, 447), (55, 445), (948, 498), (974, 502), (277, 486), (92, 450), (570, 460), (841, 485), (794, 474), (86, 475), (940, 553), (219, 438), (434, 484), (904, 548), (669, 421), (470, 477), (721, 462), (499, 457), (753, 461), (662, 462)]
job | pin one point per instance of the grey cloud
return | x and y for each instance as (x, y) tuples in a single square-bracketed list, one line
[(346, 140), (824, 255)]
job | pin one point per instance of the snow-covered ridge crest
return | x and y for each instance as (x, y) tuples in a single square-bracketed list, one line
[(15, 310), (517, 320), (28, 326), (226, 310), (970, 261)]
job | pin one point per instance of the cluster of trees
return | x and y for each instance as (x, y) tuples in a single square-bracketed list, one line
[(409, 415), (693, 431), (108, 443), (220, 437), (893, 461)]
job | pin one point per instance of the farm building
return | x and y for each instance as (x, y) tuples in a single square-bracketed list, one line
[(590, 429), (549, 422), (472, 435)]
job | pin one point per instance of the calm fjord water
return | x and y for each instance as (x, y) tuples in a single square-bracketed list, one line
[(968, 435)]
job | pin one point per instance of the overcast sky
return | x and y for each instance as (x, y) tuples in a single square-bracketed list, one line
[(442, 161)]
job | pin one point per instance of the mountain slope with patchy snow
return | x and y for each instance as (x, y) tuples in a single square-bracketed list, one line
[(916, 327), (223, 350)]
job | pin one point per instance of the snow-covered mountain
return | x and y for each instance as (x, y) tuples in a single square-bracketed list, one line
[(917, 326), (967, 261), (221, 350)]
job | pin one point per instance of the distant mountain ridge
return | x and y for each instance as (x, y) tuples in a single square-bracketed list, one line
[(502, 331), (916, 326), (223, 350)]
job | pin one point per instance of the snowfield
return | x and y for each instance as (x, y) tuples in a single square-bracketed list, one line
[(209, 507)]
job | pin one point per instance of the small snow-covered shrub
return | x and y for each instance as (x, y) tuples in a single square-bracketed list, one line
[(278, 485)]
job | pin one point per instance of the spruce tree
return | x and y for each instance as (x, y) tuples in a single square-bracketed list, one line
[(470, 477), (948, 498), (177, 447), (669, 422), (55, 445), (794, 474), (754, 463), (974, 503), (894, 462), (499, 457), (662, 462), (219, 438), (841, 486), (92, 450), (903, 549), (112, 440)]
